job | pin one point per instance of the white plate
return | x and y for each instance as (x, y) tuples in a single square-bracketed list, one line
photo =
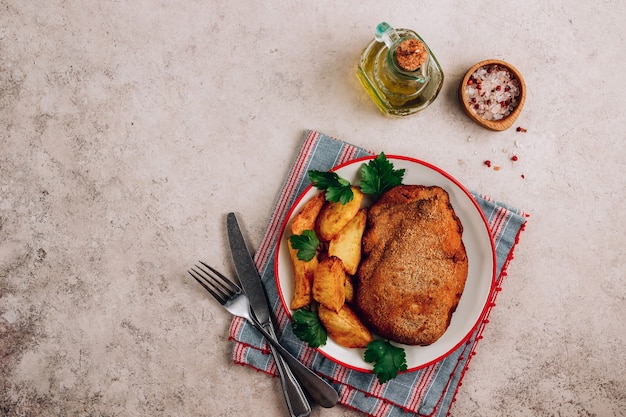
[(478, 245)]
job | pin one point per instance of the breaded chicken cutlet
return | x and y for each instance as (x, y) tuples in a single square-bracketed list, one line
[(414, 265)]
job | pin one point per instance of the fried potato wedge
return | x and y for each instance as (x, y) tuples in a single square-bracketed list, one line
[(303, 279), (345, 327), (305, 219), (334, 216), (346, 245), (349, 289), (329, 283)]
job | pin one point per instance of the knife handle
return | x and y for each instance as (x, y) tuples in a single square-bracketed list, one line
[(296, 400), (321, 391)]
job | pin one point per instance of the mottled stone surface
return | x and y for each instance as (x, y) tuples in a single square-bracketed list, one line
[(129, 129)]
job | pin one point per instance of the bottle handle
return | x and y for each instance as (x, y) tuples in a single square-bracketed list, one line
[(385, 33)]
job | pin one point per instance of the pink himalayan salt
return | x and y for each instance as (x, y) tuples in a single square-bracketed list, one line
[(492, 91)]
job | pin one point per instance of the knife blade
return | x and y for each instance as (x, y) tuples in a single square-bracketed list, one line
[(321, 391), (246, 270)]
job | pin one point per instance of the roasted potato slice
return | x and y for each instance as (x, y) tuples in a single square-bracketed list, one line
[(329, 283), (346, 245), (305, 219), (349, 289), (303, 279), (345, 327), (334, 216)]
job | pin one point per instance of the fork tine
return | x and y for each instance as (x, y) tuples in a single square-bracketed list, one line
[(224, 282), (220, 287), (209, 286)]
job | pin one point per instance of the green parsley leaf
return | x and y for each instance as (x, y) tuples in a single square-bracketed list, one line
[(305, 244), (378, 176), (388, 359), (337, 188), (307, 326)]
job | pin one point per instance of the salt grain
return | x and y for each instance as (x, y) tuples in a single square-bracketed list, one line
[(492, 91)]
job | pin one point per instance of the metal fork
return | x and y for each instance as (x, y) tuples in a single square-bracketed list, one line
[(232, 297)]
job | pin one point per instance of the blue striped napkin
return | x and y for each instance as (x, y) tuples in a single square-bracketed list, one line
[(428, 391)]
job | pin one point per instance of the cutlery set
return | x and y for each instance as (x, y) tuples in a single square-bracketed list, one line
[(251, 304)]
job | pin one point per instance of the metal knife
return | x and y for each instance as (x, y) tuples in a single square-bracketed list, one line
[(321, 391)]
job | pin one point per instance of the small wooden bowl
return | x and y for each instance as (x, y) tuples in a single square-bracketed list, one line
[(506, 122)]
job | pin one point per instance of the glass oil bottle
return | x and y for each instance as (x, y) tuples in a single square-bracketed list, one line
[(399, 71)]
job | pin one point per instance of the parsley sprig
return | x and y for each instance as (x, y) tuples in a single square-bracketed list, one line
[(379, 176), (308, 327), (337, 188), (305, 244), (388, 359)]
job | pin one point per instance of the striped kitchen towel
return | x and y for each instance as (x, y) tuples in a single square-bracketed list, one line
[(428, 391)]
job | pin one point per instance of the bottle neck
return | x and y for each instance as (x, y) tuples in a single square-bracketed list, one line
[(409, 59), (408, 56)]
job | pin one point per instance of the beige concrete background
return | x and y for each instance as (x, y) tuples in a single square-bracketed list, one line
[(129, 129)]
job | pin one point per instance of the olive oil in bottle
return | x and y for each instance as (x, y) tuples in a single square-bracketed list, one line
[(399, 71)]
